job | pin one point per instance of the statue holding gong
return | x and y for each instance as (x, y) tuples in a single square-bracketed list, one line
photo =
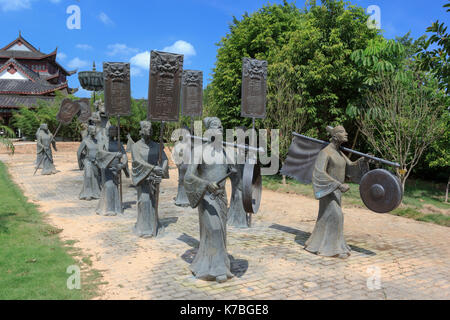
[(327, 167)]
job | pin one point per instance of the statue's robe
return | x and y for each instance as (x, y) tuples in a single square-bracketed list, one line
[(101, 135), (145, 158), (87, 160), (211, 260), (237, 217), (330, 170), (38, 155), (44, 143), (110, 204), (181, 199)]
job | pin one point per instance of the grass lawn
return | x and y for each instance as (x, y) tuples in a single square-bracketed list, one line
[(422, 201), (33, 260)]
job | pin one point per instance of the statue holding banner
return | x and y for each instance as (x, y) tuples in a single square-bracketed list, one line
[(87, 160), (146, 175), (205, 188), (44, 151), (111, 160)]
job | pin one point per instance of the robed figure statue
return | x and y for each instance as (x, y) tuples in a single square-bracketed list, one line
[(87, 160), (44, 143), (328, 178), (181, 199), (146, 175), (211, 261), (111, 160)]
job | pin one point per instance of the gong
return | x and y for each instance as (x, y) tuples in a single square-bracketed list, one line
[(381, 191), (251, 187)]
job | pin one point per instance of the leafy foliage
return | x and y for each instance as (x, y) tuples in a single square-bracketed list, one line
[(310, 48)]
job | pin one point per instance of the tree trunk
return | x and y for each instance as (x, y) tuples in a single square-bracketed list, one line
[(284, 181)]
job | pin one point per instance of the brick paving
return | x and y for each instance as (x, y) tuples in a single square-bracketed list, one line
[(268, 260)]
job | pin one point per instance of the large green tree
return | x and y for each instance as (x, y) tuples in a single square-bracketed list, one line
[(308, 52)]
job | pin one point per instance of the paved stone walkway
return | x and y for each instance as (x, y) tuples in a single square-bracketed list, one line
[(411, 258)]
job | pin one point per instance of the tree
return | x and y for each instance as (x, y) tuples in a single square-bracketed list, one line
[(309, 48), (403, 118), (437, 60), (6, 136), (258, 36)]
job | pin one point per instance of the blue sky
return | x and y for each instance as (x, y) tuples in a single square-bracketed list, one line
[(128, 30)]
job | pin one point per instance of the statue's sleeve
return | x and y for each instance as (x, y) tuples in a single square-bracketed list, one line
[(81, 154), (323, 183), (354, 171), (141, 169), (40, 146), (165, 166), (195, 186)]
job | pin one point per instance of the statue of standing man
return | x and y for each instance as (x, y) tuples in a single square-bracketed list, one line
[(212, 261), (45, 142), (111, 160), (146, 175), (87, 160)]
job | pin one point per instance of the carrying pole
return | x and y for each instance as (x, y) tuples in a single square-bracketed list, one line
[(368, 156)]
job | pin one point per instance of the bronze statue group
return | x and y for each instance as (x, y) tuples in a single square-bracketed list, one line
[(201, 186)]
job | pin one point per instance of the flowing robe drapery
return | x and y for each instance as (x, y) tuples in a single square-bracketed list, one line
[(110, 204), (181, 199), (44, 150), (145, 158), (87, 159), (211, 260), (327, 238), (237, 217)]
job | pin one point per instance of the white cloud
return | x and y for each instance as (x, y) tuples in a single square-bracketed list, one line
[(84, 46), (141, 60), (105, 19), (77, 63), (135, 72), (14, 5), (181, 47), (121, 49), (61, 56)]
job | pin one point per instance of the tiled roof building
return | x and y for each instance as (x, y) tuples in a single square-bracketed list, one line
[(26, 75)]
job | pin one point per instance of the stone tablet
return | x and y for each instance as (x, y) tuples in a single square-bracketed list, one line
[(192, 93), (85, 110), (117, 88), (164, 86), (67, 111), (254, 88)]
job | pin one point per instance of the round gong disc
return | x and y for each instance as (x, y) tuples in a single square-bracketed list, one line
[(381, 191), (251, 188)]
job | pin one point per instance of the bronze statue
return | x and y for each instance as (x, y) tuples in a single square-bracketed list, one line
[(181, 199), (87, 160), (146, 174), (44, 143), (101, 121), (111, 160), (237, 217), (330, 170), (205, 188)]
